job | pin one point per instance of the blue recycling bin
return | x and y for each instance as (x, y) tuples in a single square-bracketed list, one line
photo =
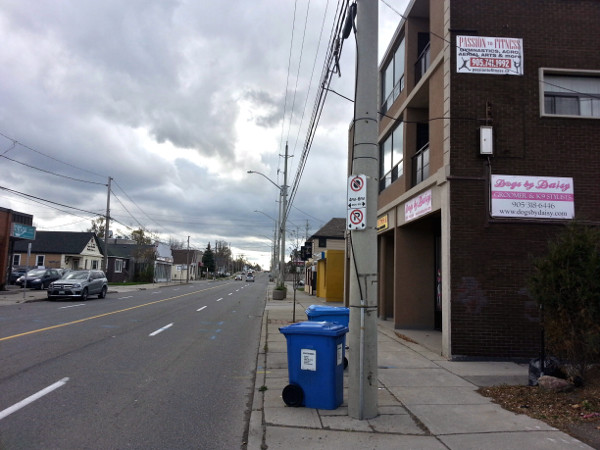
[(315, 364), (326, 313)]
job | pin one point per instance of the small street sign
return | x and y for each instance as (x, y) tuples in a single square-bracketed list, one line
[(357, 202)]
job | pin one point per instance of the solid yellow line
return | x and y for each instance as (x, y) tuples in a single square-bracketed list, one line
[(99, 315)]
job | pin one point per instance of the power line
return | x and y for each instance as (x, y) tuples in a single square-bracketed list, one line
[(50, 172), (22, 194), (330, 66), (15, 142)]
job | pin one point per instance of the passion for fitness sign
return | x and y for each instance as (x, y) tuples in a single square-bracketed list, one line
[(532, 197), (489, 55)]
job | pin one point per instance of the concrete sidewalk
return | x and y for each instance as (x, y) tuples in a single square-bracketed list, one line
[(425, 401)]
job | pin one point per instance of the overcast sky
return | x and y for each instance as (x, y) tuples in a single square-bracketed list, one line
[(175, 100)]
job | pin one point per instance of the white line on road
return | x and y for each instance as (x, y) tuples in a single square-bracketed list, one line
[(129, 296), (160, 330), (201, 308), (219, 299), (231, 293), (32, 398), (71, 306)]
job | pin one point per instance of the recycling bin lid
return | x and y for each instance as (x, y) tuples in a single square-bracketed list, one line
[(315, 328), (324, 310)]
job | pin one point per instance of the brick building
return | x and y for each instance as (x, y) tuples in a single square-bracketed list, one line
[(488, 146), (14, 226)]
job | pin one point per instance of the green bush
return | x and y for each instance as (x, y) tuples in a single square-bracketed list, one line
[(566, 283)]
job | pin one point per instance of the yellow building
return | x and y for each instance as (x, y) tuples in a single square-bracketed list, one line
[(325, 267)]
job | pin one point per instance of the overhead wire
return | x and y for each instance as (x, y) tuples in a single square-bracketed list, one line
[(298, 71), (310, 82), (330, 66), (287, 80), (48, 156), (22, 194)]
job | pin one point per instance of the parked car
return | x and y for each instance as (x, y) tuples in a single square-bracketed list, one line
[(81, 284), (250, 277), (15, 274), (38, 278)]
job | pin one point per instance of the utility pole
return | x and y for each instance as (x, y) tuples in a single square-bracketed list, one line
[(107, 227), (283, 219), (187, 271), (362, 382)]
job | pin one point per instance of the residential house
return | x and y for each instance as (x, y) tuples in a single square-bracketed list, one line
[(126, 259), (75, 250), (163, 262), (186, 264), (325, 267), (488, 137)]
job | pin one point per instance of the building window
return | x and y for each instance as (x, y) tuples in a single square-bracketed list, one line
[(570, 94), (39, 260), (391, 157), (95, 264), (118, 265), (16, 260), (323, 242), (420, 161), (392, 81), (421, 165), (424, 58)]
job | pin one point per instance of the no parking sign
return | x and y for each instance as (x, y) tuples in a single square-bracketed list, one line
[(357, 202)]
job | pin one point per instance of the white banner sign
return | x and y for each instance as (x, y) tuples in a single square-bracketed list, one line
[(532, 197), (418, 206), (489, 55)]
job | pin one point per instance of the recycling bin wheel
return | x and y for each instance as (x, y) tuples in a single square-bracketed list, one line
[(293, 395), (345, 363)]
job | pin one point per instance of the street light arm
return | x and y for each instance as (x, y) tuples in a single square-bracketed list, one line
[(264, 176), (266, 215)]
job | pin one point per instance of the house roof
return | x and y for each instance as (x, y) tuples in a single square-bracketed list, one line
[(125, 251), (334, 229), (180, 256), (59, 242)]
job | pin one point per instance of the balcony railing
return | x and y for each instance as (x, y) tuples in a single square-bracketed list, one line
[(422, 63)]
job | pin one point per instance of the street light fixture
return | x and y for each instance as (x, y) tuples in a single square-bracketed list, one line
[(281, 221)]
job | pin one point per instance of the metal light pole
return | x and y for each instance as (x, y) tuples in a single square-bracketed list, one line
[(281, 219), (275, 248)]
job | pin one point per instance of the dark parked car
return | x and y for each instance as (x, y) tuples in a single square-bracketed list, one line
[(80, 283), (15, 274), (39, 278)]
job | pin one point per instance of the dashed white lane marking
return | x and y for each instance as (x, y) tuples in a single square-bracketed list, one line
[(32, 398), (160, 330), (201, 308), (71, 306), (219, 299)]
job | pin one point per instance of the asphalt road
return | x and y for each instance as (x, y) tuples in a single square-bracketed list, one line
[(167, 368)]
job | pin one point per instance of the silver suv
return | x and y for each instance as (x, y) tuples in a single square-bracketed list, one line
[(80, 283)]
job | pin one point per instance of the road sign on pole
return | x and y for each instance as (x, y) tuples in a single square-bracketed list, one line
[(357, 202)]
